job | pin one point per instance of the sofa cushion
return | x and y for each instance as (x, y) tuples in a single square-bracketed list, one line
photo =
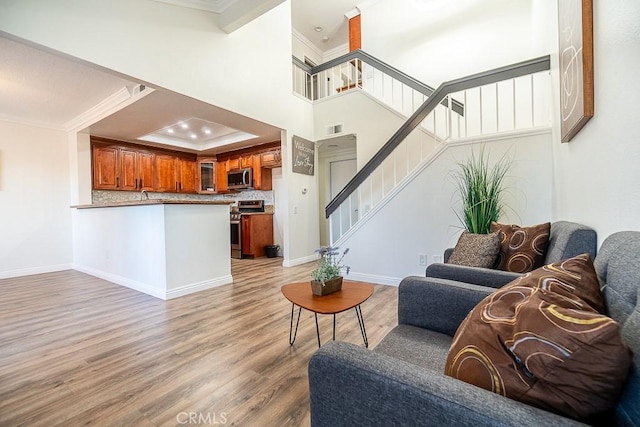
[(522, 249), (412, 344), (476, 250), (542, 340)]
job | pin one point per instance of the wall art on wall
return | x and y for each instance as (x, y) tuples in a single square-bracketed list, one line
[(303, 156), (575, 31)]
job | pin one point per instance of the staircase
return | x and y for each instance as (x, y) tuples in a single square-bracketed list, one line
[(498, 102)]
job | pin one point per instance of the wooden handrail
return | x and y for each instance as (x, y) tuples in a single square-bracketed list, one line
[(480, 79)]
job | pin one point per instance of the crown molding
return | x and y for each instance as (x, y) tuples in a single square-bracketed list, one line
[(352, 13), (32, 123), (337, 51), (120, 99)]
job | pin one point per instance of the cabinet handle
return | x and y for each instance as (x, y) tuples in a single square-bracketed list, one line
[(118, 182), (176, 185), (136, 183), (141, 185)]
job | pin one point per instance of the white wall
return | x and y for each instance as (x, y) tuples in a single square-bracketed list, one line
[(597, 174), (458, 39), (421, 219), (35, 214)]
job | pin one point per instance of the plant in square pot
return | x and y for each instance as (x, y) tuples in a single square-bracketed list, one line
[(327, 277), (481, 189)]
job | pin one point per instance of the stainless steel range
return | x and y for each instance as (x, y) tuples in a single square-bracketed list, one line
[(244, 206)]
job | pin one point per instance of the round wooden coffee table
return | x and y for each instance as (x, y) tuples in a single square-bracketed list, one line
[(350, 296)]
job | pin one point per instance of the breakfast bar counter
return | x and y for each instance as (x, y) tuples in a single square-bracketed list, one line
[(164, 248)]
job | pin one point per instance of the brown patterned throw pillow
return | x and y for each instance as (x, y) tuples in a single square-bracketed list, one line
[(476, 250), (522, 249), (542, 340)]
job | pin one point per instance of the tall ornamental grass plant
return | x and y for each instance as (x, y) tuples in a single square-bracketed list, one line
[(481, 189)]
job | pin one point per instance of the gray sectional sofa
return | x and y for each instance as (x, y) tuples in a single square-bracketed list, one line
[(566, 240), (401, 381)]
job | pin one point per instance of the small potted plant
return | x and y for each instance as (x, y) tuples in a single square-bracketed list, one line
[(327, 276)]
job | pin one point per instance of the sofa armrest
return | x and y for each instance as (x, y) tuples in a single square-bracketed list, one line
[(353, 386), (437, 304), (475, 275)]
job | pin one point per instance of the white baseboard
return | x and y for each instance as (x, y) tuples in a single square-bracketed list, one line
[(196, 287), (372, 278), (123, 281), (156, 292), (299, 261), (35, 270)]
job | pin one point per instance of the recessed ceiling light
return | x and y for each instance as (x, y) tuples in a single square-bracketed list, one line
[(170, 130), (325, 39), (318, 29), (193, 135), (207, 131), (184, 126)]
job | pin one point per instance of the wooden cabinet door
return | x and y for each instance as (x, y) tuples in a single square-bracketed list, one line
[(246, 235), (246, 161), (145, 165), (187, 182), (206, 176), (233, 164), (105, 168), (128, 172), (261, 176), (271, 159), (221, 177), (165, 174)]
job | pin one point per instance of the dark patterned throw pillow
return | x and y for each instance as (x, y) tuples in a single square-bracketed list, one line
[(476, 250), (522, 249), (543, 340)]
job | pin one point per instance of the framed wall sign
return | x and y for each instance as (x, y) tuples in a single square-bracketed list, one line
[(303, 156), (575, 31)]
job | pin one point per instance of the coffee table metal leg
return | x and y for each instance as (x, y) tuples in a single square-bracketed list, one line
[(362, 328), (291, 341), (334, 326), (317, 329)]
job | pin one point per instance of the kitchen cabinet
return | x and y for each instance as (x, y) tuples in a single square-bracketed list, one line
[(136, 170), (246, 161), (261, 176), (186, 173), (271, 159), (233, 164), (206, 176), (221, 177), (118, 168), (105, 168), (165, 176), (257, 232)]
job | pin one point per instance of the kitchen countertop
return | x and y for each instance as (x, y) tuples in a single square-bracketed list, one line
[(154, 202)]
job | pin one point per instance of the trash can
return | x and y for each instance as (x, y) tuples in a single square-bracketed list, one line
[(271, 250)]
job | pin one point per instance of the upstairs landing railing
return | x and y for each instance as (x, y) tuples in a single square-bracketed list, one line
[(361, 71)]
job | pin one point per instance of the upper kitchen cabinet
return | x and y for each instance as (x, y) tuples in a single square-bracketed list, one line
[(206, 176), (118, 168), (271, 159), (221, 176), (165, 176), (136, 170), (105, 168), (261, 176), (187, 172)]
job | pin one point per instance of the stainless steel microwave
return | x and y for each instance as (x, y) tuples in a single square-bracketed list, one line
[(239, 179)]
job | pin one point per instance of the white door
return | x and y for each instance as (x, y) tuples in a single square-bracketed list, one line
[(340, 173)]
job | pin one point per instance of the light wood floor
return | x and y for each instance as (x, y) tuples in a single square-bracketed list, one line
[(75, 350)]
